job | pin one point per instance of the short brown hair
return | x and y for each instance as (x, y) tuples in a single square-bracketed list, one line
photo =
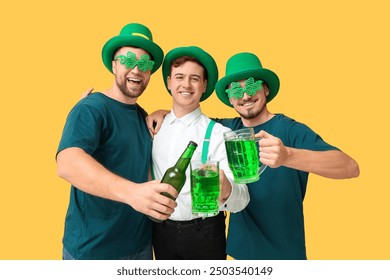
[(181, 60)]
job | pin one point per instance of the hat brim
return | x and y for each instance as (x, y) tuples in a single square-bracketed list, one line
[(132, 41), (207, 61), (269, 77)]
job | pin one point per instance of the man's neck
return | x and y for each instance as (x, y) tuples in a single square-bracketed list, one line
[(260, 119), (116, 94), (181, 111)]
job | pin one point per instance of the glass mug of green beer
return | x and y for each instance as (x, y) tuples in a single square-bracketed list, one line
[(205, 188), (243, 155)]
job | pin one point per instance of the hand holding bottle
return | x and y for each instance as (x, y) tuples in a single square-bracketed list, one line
[(176, 175), (147, 198)]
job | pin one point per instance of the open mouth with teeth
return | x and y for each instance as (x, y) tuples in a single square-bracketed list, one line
[(134, 81), (248, 103), (185, 93)]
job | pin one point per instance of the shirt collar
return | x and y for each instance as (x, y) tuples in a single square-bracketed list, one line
[(187, 120)]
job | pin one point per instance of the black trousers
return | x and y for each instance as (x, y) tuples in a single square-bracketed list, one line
[(199, 239)]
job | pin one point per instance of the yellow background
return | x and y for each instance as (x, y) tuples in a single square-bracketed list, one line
[(332, 58)]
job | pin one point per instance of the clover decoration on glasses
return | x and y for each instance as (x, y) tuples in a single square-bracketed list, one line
[(251, 87), (130, 61)]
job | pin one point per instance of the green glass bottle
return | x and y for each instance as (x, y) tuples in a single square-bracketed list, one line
[(176, 175)]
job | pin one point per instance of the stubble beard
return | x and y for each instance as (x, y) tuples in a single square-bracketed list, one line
[(132, 93), (249, 114)]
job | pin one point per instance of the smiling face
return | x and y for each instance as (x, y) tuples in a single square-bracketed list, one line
[(187, 83), (130, 81), (251, 106)]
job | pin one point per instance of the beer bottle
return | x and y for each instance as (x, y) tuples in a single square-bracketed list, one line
[(176, 175)]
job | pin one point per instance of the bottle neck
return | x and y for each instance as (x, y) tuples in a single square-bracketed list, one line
[(183, 162)]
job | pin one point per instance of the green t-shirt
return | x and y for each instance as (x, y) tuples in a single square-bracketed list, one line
[(272, 225), (115, 134)]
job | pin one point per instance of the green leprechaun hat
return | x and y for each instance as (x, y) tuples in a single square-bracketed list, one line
[(242, 66), (204, 58), (133, 35)]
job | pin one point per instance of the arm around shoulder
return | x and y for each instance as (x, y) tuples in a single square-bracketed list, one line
[(154, 121)]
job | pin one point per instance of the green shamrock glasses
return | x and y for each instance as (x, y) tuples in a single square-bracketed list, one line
[(251, 87), (130, 61)]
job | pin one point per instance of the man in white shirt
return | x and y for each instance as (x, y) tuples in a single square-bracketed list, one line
[(190, 75)]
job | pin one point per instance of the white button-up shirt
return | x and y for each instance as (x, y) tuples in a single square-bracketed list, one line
[(170, 142)]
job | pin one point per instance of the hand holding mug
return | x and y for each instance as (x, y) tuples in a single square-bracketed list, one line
[(272, 151)]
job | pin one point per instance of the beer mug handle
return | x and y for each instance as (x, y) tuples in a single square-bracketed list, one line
[(263, 166)]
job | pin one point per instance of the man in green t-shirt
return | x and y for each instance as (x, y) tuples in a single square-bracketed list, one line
[(105, 153), (272, 225)]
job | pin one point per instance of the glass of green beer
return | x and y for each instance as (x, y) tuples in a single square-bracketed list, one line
[(243, 155), (205, 188)]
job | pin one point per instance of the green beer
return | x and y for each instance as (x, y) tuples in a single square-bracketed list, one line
[(243, 160), (205, 192)]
